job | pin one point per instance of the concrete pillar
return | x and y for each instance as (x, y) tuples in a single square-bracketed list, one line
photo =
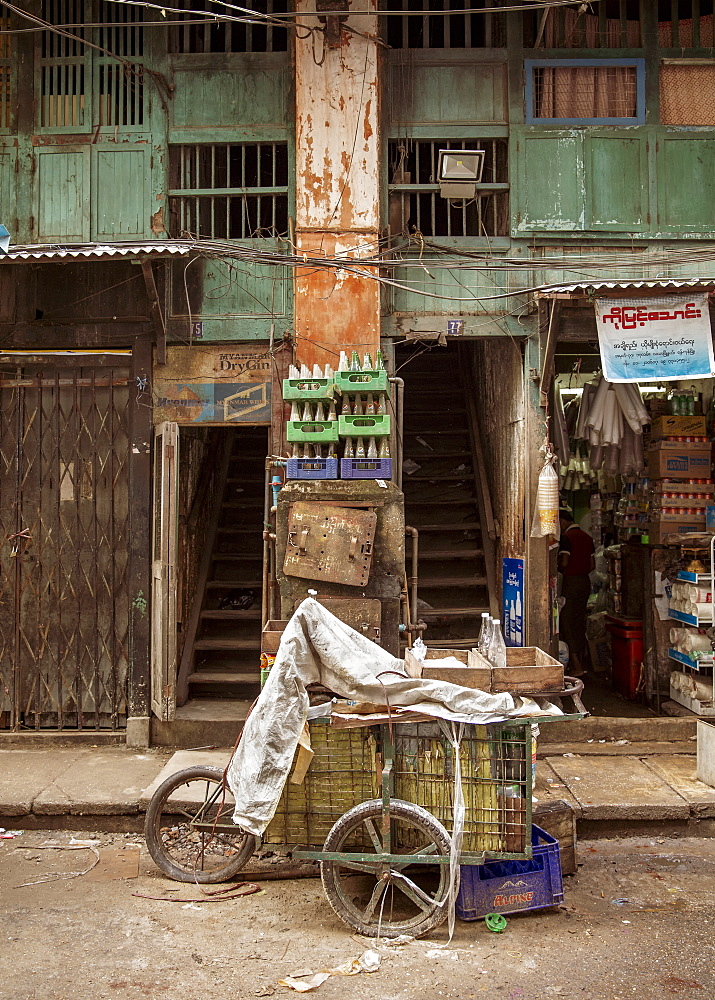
[(337, 178)]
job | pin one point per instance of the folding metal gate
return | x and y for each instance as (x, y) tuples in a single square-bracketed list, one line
[(64, 548)]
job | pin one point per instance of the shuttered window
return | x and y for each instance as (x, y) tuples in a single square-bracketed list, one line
[(585, 91), (415, 203), (233, 191), (6, 72), (82, 88), (428, 25), (263, 31), (610, 24)]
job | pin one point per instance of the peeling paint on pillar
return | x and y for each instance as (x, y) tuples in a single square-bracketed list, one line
[(338, 185)]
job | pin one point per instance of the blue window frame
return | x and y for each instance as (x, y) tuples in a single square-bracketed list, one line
[(608, 78)]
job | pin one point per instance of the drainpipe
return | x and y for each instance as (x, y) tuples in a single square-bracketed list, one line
[(271, 489), (412, 579), (397, 439)]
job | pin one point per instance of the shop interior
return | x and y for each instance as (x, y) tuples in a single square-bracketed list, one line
[(641, 486)]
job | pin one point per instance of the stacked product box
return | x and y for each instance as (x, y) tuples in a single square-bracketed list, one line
[(679, 466), (344, 411)]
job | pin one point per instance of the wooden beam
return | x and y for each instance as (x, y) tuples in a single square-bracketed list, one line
[(157, 315)]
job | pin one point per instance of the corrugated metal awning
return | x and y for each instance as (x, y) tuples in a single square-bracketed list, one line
[(585, 288), (98, 251)]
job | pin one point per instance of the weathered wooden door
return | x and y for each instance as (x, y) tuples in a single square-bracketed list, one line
[(64, 547), (163, 595)]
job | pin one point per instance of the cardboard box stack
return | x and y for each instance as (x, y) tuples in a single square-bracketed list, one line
[(679, 468)]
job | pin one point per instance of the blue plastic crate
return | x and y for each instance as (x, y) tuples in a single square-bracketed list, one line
[(513, 886), (366, 468), (312, 468)]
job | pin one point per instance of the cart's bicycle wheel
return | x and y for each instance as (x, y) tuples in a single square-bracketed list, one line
[(189, 828), (380, 899)]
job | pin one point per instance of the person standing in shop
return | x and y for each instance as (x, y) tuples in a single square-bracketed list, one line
[(576, 561)]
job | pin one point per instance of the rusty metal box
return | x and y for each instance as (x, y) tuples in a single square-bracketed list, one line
[(330, 543)]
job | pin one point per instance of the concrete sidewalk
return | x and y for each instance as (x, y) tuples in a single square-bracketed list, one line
[(613, 789)]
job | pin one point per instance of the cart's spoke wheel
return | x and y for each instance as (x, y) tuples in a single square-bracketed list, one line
[(408, 897), (190, 831)]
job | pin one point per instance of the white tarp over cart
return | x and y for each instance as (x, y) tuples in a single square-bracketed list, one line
[(317, 648)]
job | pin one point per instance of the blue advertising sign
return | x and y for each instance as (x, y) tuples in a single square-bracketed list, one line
[(513, 601)]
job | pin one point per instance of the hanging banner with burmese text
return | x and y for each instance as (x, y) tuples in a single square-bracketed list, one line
[(667, 338)]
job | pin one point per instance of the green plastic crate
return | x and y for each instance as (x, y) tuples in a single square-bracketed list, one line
[(321, 390), (318, 431), (374, 425), (363, 381)]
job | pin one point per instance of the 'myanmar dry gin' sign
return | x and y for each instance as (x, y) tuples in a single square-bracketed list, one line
[(213, 385)]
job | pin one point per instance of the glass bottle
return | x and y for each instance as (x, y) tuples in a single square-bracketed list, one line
[(367, 363), (355, 362), (357, 408), (381, 404), (482, 632), (307, 411), (294, 412), (343, 362), (348, 451), (360, 448), (497, 646), (379, 364), (345, 409), (332, 415), (319, 412), (371, 448), (383, 450), (370, 405)]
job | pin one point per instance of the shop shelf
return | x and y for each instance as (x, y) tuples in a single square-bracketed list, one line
[(366, 468), (320, 431), (312, 468), (374, 425), (705, 662)]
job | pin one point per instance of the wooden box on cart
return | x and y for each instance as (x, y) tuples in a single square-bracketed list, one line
[(529, 670)]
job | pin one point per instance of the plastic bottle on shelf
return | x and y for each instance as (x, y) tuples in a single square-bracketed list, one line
[(497, 646)]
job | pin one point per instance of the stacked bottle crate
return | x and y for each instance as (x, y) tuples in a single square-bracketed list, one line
[(345, 408), (312, 429), (364, 423)]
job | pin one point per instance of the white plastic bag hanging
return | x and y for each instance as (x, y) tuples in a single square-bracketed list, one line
[(546, 510)]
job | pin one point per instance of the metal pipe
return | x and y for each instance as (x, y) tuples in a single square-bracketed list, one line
[(412, 580), (265, 590), (398, 437)]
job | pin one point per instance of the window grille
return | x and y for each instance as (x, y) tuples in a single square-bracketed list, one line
[(685, 24), (417, 206), (687, 93), (585, 91), (228, 36), (233, 191), (611, 24), (6, 81), (115, 95), (436, 29), (62, 68)]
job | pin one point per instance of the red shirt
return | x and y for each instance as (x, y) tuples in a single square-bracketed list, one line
[(580, 548)]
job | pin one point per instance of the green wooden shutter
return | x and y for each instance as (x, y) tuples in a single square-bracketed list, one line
[(686, 184), (62, 194), (550, 174), (616, 185), (120, 186)]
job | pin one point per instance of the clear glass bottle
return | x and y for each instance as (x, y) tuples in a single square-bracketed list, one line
[(366, 363), (360, 448), (319, 411), (371, 448), (294, 412), (332, 415), (497, 646), (370, 405), (357, 408), (355, 362), (381, 404), (482, 632), (307, 411), (349, 451), (383, 450)]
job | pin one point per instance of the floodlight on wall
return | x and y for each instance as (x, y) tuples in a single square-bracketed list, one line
[(460, 170), (4, 239)]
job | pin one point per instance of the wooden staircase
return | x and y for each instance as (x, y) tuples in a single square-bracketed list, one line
[(221, 658), (447, 497)]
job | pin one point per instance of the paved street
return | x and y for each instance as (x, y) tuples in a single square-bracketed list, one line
[(90, 938)]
